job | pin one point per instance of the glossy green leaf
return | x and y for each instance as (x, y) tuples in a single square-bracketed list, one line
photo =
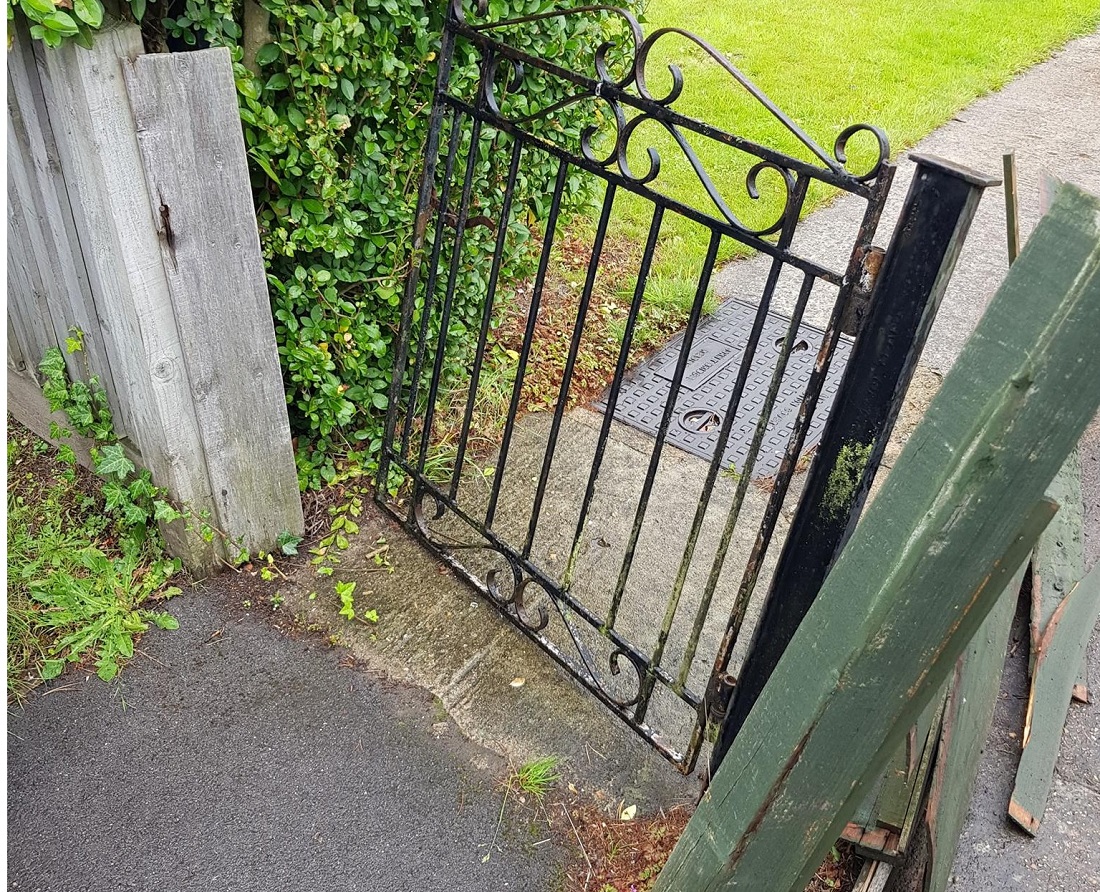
[(60, 22), (89, 11), (268, 53), (36, 9)]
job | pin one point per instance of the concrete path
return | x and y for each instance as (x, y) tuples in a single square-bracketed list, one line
[(232, 757)]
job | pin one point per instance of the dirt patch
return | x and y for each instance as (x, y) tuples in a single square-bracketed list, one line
[(663, 313), (610, 854), (34, 469)]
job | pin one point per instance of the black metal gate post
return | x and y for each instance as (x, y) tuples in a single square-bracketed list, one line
[(929, 235)]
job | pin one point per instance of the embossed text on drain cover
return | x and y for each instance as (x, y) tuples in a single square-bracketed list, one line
[(709, 379)]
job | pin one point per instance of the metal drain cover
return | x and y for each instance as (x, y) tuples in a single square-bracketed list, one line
[(708, 383)]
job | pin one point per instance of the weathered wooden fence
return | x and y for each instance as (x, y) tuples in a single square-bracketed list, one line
[(130, 217)]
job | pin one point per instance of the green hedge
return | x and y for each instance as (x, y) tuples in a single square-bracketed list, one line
[(335, 125), (335, 128)]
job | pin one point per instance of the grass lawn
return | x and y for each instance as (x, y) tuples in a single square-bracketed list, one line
[(907, 67)]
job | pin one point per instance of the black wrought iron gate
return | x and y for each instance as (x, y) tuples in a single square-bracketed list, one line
[(591, 547)]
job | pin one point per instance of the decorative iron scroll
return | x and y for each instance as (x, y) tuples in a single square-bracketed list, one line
[(618, 87), (633, 91), (507, 588)]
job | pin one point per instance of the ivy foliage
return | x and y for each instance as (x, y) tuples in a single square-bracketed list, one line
[(335, 123)]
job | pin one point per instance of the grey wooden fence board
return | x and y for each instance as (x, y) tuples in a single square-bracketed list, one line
[(103, 168), (57, 251), (27, 307), (189, 132), (29, 280), (16, 362)]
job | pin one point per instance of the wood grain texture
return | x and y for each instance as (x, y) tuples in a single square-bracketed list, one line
[(28, 310), (50, 284), (103, 169), (1061, 651), (189, 133), (967, 719), (1059, 562), (958, 515)]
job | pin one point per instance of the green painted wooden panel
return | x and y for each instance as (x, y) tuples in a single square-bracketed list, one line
[(1060, 654), (1059, 561), (954, 520), (967, 719)]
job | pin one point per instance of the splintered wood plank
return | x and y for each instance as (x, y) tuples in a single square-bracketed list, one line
[(955, 519), (894, 800), (1060, 653), (923, 773), (1059, 561), (193, 152), (896, 796), (966, 722)]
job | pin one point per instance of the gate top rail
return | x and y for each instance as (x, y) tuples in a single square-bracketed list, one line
[(633, 91)]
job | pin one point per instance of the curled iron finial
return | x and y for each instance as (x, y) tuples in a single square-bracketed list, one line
[(841, 145), (754, 192), (489, 78), (591, 130), (542, 617), (621, 150)]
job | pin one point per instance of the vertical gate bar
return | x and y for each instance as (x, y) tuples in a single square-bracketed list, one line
[(448, 294), (408, 302), (871, 216), (927, 241), (571, 359), (528, 335), (429, 286), (613, 392), (734, 512), (662, 429), (790, 220), (783, 480), (487, 313)]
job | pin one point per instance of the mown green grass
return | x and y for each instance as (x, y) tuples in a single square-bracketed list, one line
[(906, 67)]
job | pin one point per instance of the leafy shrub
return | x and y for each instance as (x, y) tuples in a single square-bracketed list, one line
[(336, 127), (335, 124)]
